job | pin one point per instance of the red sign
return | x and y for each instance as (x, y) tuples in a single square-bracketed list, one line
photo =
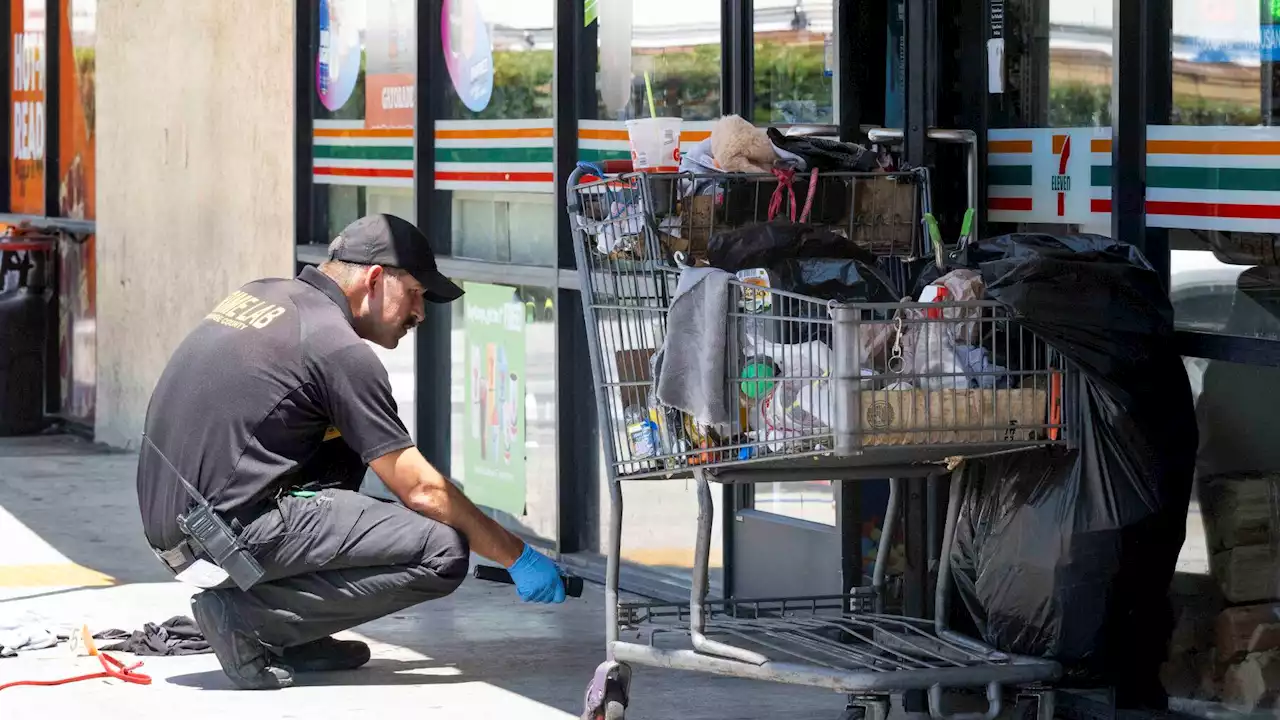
[(388, 100)]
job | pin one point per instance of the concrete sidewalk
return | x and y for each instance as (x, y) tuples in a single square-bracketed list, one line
[(73, 553)]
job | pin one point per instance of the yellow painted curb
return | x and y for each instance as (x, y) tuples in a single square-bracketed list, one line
[(668, 557), (60, 575)]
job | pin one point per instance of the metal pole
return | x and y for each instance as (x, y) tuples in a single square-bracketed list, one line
[(432, 363), (1129, 123)]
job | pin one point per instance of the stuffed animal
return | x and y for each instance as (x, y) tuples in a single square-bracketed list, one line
[(739, 146)]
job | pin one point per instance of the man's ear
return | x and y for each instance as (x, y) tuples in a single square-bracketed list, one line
[(373, 277)]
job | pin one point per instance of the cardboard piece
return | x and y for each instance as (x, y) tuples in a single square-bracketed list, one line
[(920, 417), (1237, 509), (884, 216), (1239, 631), (1246, 574)]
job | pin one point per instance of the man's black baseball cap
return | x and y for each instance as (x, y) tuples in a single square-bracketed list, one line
[(394, 242)]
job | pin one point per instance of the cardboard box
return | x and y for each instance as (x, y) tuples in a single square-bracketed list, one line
[(884, 216), (941, 417), (1246, 574), (1237, 509), (1239, 631)]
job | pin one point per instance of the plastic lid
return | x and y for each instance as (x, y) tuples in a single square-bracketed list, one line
[(753, 371)]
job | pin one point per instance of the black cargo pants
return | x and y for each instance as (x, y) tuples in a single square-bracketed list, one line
[(339, 559)]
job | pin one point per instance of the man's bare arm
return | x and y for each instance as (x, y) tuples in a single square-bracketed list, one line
[(424, 490)]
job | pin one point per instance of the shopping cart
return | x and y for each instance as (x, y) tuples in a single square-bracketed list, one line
[(814, 390)]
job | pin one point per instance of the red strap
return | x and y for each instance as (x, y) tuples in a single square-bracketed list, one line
[(111, 668), (785, 177)]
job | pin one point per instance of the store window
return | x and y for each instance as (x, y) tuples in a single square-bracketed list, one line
[(669, 49), (1213, 179), (493, 146), (364, 54), (27, 93), (503, 390), (795, 62), (1049, 156), (77, 145), (1213, 172), (363, 111)]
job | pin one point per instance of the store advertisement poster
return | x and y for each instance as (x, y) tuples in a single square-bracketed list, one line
[(77, 321), (390, 64), (27, 110), (494, 437), (338, 59), (468, 52)]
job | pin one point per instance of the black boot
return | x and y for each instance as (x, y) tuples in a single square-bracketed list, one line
[(243, 657), (326, 655)]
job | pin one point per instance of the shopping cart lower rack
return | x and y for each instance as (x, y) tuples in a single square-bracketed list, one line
[(786, 387)]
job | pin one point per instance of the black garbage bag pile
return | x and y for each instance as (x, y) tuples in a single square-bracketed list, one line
[(807, 259), (1068, 554)]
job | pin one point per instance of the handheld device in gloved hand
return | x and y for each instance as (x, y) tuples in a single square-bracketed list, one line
[(489, 573), (536, 577)]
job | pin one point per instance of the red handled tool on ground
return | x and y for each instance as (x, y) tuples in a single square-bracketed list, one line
[(572, 584), (111, 668)]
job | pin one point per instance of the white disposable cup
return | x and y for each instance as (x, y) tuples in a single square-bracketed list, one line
[(655, 144)]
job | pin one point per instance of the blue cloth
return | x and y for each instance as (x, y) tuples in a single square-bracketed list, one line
[(537, 578)]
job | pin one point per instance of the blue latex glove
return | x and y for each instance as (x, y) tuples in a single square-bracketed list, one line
[(537, 579)]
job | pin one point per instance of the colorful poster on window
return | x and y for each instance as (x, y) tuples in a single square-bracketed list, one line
[(338, 59), (390, 64), (468, 52), (27, 93), (77, 272), (494, 438)]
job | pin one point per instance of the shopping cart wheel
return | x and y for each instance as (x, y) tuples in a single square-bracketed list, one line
[(867, 708), (1034, 705), (609, 693)]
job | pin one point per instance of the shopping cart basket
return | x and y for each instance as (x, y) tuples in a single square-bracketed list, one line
[(812, 390)]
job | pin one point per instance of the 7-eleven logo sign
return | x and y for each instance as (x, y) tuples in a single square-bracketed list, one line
[(1061, 183)]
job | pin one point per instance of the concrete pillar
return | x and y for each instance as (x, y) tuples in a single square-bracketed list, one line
[(195, 108)]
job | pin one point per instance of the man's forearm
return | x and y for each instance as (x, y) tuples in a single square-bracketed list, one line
[(444, 502), (424, 490)]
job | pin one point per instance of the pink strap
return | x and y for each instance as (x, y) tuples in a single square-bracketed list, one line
[(808, 201)]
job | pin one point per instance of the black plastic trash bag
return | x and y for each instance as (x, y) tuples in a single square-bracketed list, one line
[(806, 259), (840, 279), (762, 244), (1069, 554)]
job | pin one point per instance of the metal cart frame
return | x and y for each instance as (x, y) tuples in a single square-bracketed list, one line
[(844, 643)]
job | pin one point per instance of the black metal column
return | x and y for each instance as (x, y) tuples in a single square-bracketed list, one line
[(6, 116), (860, 72), (737, 27), (921, 104), (1129, 122), (737, 30), (52, 105), (921, 86), (432, 346), (578, 485), (1159, 108), (303, 81)]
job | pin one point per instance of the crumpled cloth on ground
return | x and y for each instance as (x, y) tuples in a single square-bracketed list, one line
[(689, 369), (28, 632), (178, 635)]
